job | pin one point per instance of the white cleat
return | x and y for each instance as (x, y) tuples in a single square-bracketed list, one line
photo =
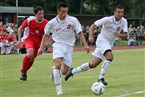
[(59, 90), (52, 75)]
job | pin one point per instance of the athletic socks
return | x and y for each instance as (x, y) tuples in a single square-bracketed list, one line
[(57, 76), (104, 68), (27, 63), (83, 67)]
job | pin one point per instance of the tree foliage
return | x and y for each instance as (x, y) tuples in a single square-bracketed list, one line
[(133, 8)]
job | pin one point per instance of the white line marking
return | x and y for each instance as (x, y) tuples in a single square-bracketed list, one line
[(138, 92)]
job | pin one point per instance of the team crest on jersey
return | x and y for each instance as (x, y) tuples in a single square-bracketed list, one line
[(37, 31), (118, 28), (68, 26)]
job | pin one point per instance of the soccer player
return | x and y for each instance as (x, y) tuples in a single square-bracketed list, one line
[(62, 28), (111, 28), (32, 42)]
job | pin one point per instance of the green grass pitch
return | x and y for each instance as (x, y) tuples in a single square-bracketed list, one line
[(125, 76)]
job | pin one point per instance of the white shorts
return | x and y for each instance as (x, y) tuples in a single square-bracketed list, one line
[(101, 46), (64, 51), (1, 44)]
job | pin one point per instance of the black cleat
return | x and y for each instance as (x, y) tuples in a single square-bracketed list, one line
[(23, 77), (102, 80), (69, 74)]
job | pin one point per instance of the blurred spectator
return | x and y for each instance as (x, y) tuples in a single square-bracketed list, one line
[(87, 30), (130, 30), (132, 41), (9, 28)]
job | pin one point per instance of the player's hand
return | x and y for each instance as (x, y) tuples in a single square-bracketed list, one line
[(18, 44), (40, 51), (87, 48), (116, 34), (91, 39)]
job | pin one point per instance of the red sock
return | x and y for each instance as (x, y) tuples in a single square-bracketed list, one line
[(30, 64), (25, 64)]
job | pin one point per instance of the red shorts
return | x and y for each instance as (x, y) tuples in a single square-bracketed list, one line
[(31, 44), (22, 45)]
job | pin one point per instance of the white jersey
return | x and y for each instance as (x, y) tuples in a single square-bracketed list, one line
[(25, 34), (63, 31), (110, 26), (10, 30)]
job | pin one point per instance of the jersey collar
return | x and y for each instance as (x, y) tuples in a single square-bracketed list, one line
[(58, 19), (116, 22)]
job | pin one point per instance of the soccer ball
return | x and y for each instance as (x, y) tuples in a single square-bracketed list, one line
[(98, 88)]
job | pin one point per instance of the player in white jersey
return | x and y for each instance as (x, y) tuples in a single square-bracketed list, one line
[(111, 28), (62, 28)]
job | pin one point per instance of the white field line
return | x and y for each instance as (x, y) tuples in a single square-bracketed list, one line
[(138, 92)]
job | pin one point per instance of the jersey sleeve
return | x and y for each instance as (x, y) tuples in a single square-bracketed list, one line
[(77, 26), (125, 27), (24, 23), (101, 22), (48, 28)]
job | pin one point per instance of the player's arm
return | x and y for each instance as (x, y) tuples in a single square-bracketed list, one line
[(46, 44), (81, 35), (91, 37), (20, 29), (46, 38), (43, 41), (97, 23), (124, 34), (78, 29)]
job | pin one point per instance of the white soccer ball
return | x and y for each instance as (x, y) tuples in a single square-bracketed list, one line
[(98, 88)]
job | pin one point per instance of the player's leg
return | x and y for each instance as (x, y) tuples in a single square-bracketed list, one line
[(64, 69), (108, 58), (58, 54), (105, 47), (58, 75), (27, 60), (85, 66)]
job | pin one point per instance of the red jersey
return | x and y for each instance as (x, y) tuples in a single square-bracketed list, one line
[(36, 29), (10, 38), (3, 37)]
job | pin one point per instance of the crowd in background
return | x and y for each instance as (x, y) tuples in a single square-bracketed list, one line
[(8, 37), (136, 35)]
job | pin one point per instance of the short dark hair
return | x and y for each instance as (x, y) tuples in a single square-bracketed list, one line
[(38, 8), (61, 5), (118, 6)]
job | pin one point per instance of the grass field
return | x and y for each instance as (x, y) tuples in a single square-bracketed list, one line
[(126, 76)]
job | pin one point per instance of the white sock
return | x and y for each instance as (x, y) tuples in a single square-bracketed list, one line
[(9, 49), (1, 44), (104, 68), (57, 76), (83, 67)]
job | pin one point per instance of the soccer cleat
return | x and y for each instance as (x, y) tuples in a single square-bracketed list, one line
[(23, 77), (69, 74), (59, 90), (102, 80), (52, 75)]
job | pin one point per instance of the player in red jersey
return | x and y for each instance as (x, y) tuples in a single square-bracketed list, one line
[(32, 42)]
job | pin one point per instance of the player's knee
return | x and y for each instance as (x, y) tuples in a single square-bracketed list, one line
[(95, 62), (64, 72), (93, 65), (30, 56), (110, 59)]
